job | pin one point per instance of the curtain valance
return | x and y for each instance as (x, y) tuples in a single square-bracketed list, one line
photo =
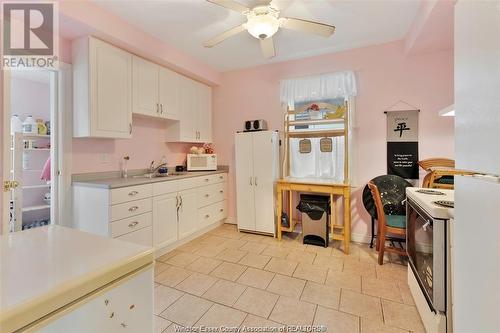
[(318, 87)]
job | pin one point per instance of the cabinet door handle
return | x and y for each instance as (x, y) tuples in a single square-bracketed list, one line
[(207, 195), (133, 224), (177, 202), (133, 209), (161, 108), (221, 210), (133, 193), (207, 216), (181, 201), (221, 177), (251, 183), (157, 107), (221, 191), (207, 180), (130, 128), (255, 181)]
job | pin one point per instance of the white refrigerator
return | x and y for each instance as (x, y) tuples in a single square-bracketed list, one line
[(476, 254)]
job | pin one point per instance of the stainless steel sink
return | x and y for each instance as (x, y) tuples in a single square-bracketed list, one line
[(150, 175), (159, 175)]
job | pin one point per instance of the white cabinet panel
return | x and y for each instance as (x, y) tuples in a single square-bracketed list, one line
[(245, 206), (188, 120), (188, 212), (165, 219), (145, 87), (127, 306), (102, 100), (204, 113), (265, 159), (169, 94)]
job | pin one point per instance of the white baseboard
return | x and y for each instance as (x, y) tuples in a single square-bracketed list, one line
[(161, 251), (230, 220), (361, 238)]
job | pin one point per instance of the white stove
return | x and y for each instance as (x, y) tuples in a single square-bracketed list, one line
[(428, 222), (429, 200)]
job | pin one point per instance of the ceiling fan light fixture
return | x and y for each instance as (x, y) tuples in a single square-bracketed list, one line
[(261, 24)]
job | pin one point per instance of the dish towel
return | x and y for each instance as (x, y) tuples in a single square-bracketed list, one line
[(46, 171)]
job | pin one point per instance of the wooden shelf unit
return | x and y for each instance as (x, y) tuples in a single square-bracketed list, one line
[(335, 189)]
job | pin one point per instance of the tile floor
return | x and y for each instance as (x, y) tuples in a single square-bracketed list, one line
[(237, 279)]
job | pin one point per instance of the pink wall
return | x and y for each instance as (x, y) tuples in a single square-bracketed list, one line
[(147, 144), (384, 76)]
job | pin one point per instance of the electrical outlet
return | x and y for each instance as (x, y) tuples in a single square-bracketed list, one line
[(104, 158)]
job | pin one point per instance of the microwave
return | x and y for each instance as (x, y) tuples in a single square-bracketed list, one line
[(201, 162)]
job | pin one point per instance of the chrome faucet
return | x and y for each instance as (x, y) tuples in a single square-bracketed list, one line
[(153, 169)]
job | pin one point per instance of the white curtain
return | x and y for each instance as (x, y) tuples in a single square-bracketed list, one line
[(317, 164), (318, 87)]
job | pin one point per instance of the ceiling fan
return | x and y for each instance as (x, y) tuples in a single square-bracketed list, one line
[(263, 22)]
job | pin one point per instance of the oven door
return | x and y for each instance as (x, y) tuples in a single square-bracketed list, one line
[(425, 241)]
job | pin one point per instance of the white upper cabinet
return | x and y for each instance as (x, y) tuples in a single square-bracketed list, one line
[(195, 113), (155, 90), (145, 87), (169, 93), (204, 113), (102, 90)]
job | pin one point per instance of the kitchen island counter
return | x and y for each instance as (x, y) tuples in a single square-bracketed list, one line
[(45, 269)]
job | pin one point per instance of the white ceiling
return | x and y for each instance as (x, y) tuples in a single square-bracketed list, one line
[(186, 24)]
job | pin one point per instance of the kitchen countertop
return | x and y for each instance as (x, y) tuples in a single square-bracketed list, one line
[(117, 182), (426, 201), (44, 269)]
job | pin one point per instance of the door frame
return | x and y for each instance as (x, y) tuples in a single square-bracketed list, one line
[(61, 112)]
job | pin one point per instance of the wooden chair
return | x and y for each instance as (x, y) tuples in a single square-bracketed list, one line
[(437, 172), (387, 224)]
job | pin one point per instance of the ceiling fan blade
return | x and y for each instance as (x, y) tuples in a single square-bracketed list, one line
[(311, 27), (229, 4), (267, 47), (225, 35)]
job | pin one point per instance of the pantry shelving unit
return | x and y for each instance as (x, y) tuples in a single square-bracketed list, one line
[(335, 125), (27, 165)]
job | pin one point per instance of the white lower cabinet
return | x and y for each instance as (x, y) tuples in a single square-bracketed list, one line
[(124, 306), (188, 212), (165, 219), (160, 215)]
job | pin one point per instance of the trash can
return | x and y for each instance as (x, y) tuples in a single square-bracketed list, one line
[(315, 210)]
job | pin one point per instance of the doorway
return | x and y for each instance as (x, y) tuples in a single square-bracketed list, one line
[(37, 141)]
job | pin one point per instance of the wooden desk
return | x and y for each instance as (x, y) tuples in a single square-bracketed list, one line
[(339, 231)]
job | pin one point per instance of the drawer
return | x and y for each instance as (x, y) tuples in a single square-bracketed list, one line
[(122, 227), (211, 194), (188, 183), (166, 187), (125, 194), (212, 179), (143, 236), (211, 214), (132, 208)]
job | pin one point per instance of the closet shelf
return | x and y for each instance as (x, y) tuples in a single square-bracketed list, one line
[(316, 134), (29, 187), (316, 122), (33, 208)]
